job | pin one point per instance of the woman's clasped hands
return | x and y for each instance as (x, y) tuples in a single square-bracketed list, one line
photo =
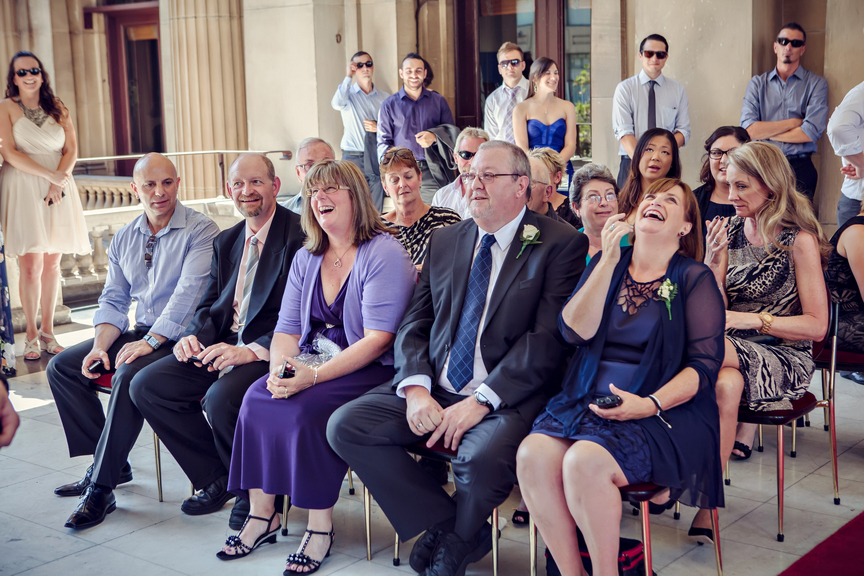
[(304, 377)]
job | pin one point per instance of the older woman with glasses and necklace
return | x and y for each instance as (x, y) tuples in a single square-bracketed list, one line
[(413, 219), (594, 198), (350, 284)]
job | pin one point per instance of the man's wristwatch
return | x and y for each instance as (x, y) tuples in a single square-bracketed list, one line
[(153, 342), (483, 401)]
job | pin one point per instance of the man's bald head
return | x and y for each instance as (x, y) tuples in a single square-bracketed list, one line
[(153, 162), (250, 158)]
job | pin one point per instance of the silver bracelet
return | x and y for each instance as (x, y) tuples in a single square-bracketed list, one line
[(315, 379)]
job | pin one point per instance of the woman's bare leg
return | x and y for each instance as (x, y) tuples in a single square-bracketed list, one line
[(591, 481), (30, 287), (539, 464), (261, 505), (50, 285)]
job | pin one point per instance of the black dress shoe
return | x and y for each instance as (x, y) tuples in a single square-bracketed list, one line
[(208, 500), (453, 554), (239, 514), (423, 549), (77, 488), (701, 535), (95, 504), (857, 377), (437, 469)]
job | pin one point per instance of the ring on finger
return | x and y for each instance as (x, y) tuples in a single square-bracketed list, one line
[(716, 243), (612, 227), (419, 425)]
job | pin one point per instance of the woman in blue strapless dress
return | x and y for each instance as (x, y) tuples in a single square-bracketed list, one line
[(543, 119)]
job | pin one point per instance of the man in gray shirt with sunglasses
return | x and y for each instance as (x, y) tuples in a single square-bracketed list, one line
[(453, 195), (788, 107)]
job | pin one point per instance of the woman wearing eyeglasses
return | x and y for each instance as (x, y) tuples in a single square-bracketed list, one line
[(594, 197), (412, 219), (543, 119), (40, 210), (351, 284), (713, 195)]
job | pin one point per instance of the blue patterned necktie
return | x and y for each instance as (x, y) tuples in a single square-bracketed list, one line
[(508, 114), (460, 371)]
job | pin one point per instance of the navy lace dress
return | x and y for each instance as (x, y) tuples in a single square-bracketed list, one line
[(640, 348)]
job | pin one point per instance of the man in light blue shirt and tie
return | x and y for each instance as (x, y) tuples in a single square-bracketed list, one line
[(498, 119), (788, 107), (162, 261), (359, 105), (648, 100)]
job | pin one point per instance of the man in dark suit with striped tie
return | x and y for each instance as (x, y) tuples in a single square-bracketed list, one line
[(229, 335), (477, 354)]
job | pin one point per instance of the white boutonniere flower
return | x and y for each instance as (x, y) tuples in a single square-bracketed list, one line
[(530, 235), (666, 293)]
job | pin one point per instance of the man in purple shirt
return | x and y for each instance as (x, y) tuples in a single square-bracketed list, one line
[(406, 117)]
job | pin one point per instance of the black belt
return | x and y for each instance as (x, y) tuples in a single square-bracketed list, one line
[(792, 157)]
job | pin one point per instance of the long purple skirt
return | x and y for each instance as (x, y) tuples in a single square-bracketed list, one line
[(280, 445)]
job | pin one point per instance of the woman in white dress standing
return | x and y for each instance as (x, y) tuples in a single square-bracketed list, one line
[(40, 211)]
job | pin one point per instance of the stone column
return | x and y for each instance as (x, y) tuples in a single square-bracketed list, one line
[(207, 96)]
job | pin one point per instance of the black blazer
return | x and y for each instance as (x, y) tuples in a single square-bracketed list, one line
[(212, 320), (522, 347)]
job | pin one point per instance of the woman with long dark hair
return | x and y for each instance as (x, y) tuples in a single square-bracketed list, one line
[(713, 195), (40, 211), (656, 156)]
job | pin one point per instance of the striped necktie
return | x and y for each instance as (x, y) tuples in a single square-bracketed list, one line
[(507, 133), (251, 267)]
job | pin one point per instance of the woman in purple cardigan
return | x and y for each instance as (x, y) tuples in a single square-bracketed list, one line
[(351, 283)]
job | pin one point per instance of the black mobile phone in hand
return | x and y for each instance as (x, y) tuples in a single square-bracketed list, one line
[(607, 402), (196, 359), (287, 371), (95, 365), (62, 195)]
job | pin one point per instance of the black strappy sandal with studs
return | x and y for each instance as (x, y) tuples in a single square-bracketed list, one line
[(303, 560), (241, 549)]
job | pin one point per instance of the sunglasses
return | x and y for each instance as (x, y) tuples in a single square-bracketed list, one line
[(505, 64), (148, 251), (362, 64), (32, 71), (785, 41), (466, 155), (661, 54)]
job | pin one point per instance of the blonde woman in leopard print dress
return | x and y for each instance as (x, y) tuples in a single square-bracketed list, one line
[(768, 261)]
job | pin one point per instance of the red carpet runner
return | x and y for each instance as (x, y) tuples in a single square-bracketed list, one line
[(836, 555)]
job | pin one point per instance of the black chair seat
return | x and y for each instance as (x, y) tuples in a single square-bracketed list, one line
[(642, 492), (800, 407)]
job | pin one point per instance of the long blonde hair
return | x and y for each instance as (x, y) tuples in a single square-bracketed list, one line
[(367, 220), (786, 206)]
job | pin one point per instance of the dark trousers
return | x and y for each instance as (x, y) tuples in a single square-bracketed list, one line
[(372, 180), (370, 433), (847, 208), (87, 430), (805, 175), (623, 171), (428, 186), (170, 394)]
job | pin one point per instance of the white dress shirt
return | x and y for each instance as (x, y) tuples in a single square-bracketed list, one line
[(496, 108), (503, 237), (261, 352), (450, 196), (846, 133), (630, 107)]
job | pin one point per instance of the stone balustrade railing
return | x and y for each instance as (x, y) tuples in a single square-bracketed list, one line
[(101, 192)]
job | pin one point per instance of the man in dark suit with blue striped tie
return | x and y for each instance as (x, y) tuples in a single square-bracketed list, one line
[(229, 335), (476, 355)]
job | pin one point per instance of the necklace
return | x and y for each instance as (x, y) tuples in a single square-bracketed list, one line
[(338, 262), (36, 115)]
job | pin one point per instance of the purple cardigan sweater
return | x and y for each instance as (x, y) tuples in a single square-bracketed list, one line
[(379, 288)]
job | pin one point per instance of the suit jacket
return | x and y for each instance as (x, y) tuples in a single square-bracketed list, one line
[(215, 314), (522, 348), (439, 156)]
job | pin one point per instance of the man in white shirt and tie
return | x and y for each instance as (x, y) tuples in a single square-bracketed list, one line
[(500, 103), (648, 100)]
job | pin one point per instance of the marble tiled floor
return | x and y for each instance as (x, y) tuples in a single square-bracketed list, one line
[(145, 536)]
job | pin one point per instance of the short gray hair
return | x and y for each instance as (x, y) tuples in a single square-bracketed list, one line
[(470, 132), (518, 160), (313, 140), (585, 174)]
